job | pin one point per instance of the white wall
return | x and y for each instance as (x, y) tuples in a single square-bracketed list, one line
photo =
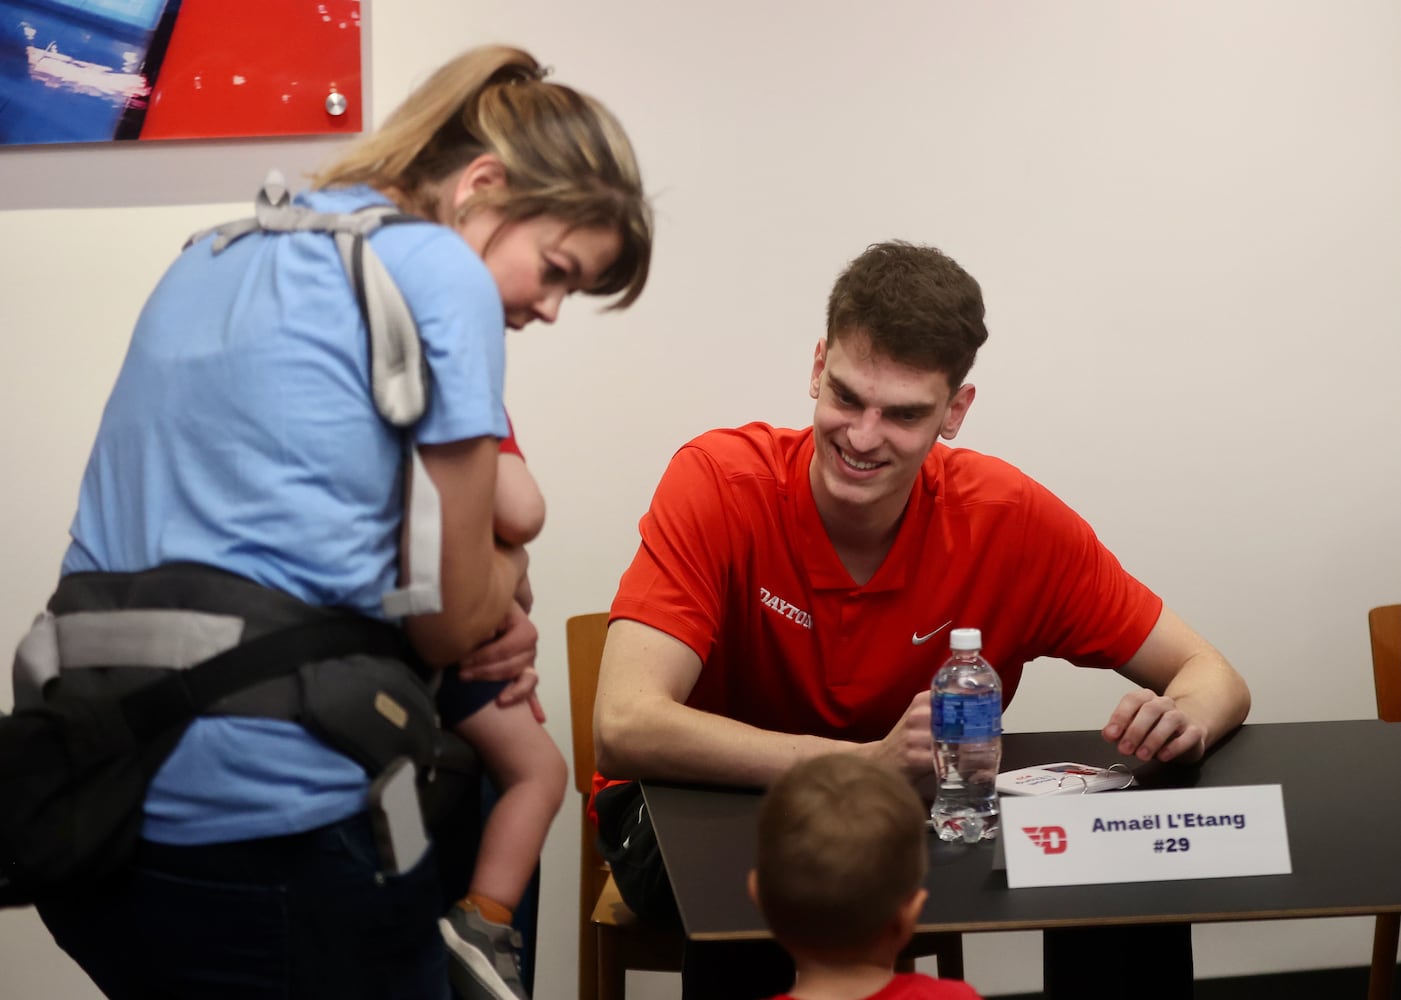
[(1184, 217)]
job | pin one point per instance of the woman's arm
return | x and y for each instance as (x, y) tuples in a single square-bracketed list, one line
[(478, 577)]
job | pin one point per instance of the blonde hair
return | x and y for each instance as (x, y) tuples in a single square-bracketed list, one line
[(564, 155), (842, 844)]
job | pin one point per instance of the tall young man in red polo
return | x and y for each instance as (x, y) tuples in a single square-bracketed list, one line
[(794, 589)]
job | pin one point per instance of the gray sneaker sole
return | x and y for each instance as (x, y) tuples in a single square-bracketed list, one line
[(484, 975)]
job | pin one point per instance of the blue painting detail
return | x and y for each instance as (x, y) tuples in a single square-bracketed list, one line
[(79, 70)]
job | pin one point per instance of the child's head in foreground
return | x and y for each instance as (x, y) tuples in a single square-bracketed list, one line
[(841, 858)]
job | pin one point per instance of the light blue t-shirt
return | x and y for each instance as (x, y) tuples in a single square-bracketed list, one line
[(241, 433)]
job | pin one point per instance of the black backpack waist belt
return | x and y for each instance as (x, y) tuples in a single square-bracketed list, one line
[(352, 681)]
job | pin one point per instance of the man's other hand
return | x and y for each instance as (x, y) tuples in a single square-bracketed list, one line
[(909, 747), (1147, 725)]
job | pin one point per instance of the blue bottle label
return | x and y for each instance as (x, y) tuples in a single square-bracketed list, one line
[(967, 718)]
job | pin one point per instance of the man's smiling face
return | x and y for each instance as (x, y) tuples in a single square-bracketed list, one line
[(874, 424)]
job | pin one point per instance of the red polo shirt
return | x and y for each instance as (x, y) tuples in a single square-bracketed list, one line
[(735, 563)]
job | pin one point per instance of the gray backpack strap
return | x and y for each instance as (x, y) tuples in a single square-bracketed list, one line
[(273, 212), (227, 233), (422, 594), (397, 371), (399, 379)]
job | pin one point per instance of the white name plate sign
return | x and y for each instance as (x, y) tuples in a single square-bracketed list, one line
[(1145, 836)]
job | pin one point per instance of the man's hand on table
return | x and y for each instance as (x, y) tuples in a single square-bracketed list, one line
[(1147, 726)]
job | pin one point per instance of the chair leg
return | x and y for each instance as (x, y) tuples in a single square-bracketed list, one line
[(947, 950), (949, 956), (612, 977), (588, 962), (1384, 940)]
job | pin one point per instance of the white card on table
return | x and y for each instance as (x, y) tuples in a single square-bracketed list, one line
[(1062, 778), (1145, 836)]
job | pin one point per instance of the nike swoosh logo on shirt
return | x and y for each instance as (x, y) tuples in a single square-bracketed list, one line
[(920, 640)]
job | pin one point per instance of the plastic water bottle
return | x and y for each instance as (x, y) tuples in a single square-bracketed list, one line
[(966, 716)]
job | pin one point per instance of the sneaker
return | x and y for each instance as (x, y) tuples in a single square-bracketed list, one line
[(483, 957)]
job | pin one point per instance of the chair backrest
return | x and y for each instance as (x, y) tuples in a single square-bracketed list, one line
[(584, 635), (1385, 626)]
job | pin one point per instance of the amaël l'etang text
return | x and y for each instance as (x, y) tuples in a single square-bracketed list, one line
[(1169, 821)]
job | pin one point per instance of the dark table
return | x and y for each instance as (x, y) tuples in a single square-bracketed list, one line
[(1342, 805)]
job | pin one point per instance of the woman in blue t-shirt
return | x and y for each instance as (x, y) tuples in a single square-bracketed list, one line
[(242, 435)]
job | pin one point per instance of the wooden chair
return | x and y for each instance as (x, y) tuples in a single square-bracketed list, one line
[(1384, 623), (611, 938)]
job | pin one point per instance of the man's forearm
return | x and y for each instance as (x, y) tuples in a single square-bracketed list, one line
[(667, 741), (1211, 691)]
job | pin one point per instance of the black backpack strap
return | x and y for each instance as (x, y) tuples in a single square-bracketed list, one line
[(185, 694)]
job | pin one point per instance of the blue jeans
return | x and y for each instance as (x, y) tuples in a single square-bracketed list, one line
[(301, 916)]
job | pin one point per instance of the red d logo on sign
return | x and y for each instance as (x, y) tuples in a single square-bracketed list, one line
[(1051, 839)]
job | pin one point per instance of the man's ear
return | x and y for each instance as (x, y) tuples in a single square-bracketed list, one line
[(958, 409), (819, 362), (485, 173)]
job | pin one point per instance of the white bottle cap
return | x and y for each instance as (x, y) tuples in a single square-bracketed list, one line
[(966, 638)]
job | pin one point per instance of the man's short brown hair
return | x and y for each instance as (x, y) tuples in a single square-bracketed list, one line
[(917, 306), (842, 844)]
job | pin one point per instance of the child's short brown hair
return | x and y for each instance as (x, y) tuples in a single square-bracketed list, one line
[(842, 844)]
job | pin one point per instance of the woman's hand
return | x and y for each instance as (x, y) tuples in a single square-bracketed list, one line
[(509, 656)]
